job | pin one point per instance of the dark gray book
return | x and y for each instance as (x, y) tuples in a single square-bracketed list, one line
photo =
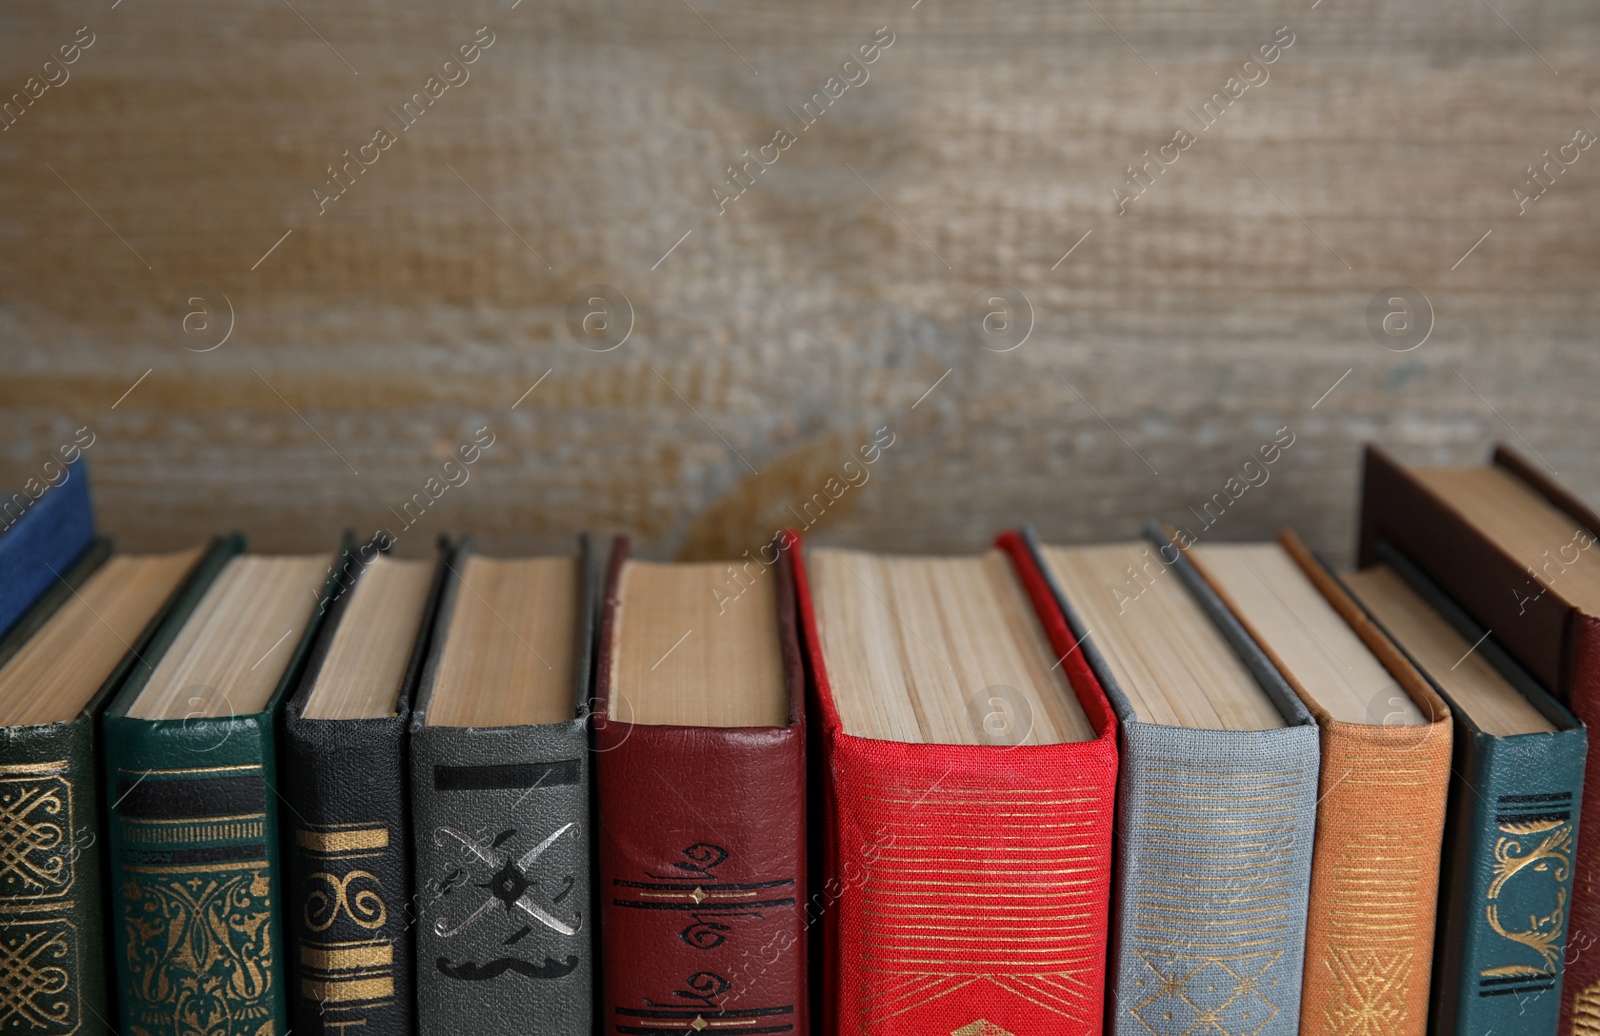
[(502, 836)]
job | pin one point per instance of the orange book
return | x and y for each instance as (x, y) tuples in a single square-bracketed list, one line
[(1386, 748)]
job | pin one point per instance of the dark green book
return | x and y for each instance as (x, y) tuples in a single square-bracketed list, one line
[(58, 666), (193, 810), (1506, 883)]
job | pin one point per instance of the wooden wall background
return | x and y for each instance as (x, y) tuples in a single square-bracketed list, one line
[(825, 301)]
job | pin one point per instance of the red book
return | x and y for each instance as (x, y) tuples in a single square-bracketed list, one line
[(700, 773), (965, 885)]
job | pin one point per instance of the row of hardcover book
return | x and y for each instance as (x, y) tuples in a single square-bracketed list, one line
[(1164, 786)]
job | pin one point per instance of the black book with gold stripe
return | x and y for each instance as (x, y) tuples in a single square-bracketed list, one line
[(346, 844)]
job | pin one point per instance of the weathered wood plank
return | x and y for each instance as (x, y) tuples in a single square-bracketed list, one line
[(825, 300)]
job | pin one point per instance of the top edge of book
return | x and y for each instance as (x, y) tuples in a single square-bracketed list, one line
[(941, 650), (1237, 689)]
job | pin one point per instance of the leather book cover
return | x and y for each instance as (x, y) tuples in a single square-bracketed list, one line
[(501, 830), (965, 887), (1375, 861), (347, 846), (1552, 639), (1215, 832), (1509, 852), (702, 858), (52, 951), (192, 822), (44, 528)]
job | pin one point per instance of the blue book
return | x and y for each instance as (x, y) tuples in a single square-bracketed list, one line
[(41, 535), (1216, 797)]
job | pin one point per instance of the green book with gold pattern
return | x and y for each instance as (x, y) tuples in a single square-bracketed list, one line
[(1512, 827), (191, 791), (58, 666)]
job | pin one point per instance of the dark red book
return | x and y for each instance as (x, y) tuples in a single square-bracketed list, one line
[(700, 772), (965, 879)]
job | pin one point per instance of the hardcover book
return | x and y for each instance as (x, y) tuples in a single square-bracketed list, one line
[(192, 793), (500, 800), (1515, 794), (348, 838), (1216, 798), (1514, 550), (968, 774), (1386, 741), (44, 528), (700, 769), (58, 666)]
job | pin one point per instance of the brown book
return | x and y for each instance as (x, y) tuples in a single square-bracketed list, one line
[(1386, 742)]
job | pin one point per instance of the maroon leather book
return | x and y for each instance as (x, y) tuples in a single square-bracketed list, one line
[(702, 858)]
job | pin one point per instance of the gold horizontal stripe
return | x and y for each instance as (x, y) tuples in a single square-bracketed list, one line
[(1190, 946), (348, 958), (342, 841), (15, 907), (252, 767), (194, 820), (201, 868), (993, 943), (35, 769), (349, 991), (942, 799), (190, 832)]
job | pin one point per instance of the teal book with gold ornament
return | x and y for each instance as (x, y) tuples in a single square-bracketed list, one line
[(191, 791)]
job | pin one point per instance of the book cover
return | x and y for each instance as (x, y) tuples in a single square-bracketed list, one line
[(1536, 626), (192, 820), (52, 950), (964, 888), (702, 858), (348, 847), (1214, 832), (44, 527), (501, 830), (1375, 859), (1507, 876)]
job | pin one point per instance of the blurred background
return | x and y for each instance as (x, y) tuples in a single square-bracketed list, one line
[(679, 261)]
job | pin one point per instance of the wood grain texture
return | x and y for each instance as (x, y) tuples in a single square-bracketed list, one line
[(825, 301)]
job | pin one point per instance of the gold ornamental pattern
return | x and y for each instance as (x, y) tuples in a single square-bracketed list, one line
[(199, 951), (38, 958), (36, 832), (1530, 854)]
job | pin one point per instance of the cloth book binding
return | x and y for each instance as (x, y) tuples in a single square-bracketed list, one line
[(965, 887), (1214, 831)]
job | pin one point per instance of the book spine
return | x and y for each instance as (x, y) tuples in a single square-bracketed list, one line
[(46, 527), (53, 958), (1580, 1000), (196, 893), (1215, 832), (52, 951), (504, 933), (347, 860), (702, 879), (1375, 877), (1509, 883), (970, 886)]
